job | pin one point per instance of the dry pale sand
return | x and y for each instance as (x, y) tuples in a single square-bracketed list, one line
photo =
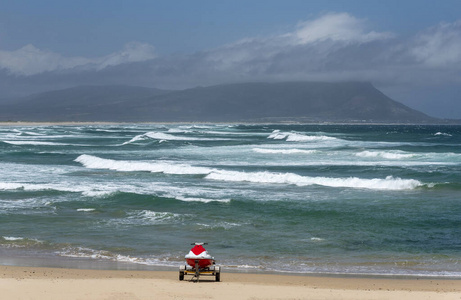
[(46, 283)]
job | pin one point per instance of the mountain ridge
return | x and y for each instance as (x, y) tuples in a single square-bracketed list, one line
[(295, 101)]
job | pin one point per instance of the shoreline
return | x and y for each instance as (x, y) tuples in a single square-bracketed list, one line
[(18, 258), (60, 283)]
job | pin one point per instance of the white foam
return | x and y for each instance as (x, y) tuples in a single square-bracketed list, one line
[(283, 151), (153, 135), (442, 133), (83, 252), (386, 154), (21, 242), (30, 133), (277, 135), (135, 139), (243, 267), (176, 130), (148, 217), (168, 137), (12, 238), (10, 186), (204, 200), (89, 190), (219, 225), (35, 143), (298, 137), (94, 162), (86, 209), (154, 216), (40, 187), (389, 183), (196, 126), (94, 189)]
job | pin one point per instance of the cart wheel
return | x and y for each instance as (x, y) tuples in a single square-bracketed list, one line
[(181, 272), (218, 274)]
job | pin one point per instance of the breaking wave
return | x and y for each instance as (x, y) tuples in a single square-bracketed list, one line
[(298, 137), (386, 154), (12, 238), (86, 209), (29, 133), (283, 151), (149, 217), (204, 200), (442, 134), (88, 253), (86, 190), (161, 136), (389, 183), (94, 162), (19, 242), (177, 130), (188, 194), (36, 143)]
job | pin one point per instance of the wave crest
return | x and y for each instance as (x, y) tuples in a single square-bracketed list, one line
[(36, 143), (161, 136), (389, 183), (94, 162), (385, 154), (283, 151), (298, 137)]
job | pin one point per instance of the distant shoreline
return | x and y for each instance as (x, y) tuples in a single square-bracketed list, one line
[(72, 123)]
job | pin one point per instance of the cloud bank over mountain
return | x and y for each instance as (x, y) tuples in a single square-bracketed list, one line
[(30, 60), (330, 47)]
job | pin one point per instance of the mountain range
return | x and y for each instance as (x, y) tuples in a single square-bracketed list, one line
[(241, 102)]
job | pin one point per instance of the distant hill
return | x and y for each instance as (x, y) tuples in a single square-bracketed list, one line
[(244, 102)]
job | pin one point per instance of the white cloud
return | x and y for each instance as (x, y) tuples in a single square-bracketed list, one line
[(30, 60), (132, 52), (310, 45), (439, 46), (336, 27), (338, 46)]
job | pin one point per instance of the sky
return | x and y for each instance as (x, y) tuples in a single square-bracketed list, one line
[(410, 50)]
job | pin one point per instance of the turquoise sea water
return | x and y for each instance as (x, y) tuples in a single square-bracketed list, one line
[(285, 198)]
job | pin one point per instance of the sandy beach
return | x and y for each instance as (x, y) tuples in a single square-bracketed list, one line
[(49, 283)]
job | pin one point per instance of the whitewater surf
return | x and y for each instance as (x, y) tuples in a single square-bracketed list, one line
[(295, 198)]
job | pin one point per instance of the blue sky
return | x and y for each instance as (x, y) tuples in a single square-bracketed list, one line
[(408, 49), (99, 27)]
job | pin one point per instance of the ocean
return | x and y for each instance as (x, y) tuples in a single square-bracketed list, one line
[(308, 199)]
